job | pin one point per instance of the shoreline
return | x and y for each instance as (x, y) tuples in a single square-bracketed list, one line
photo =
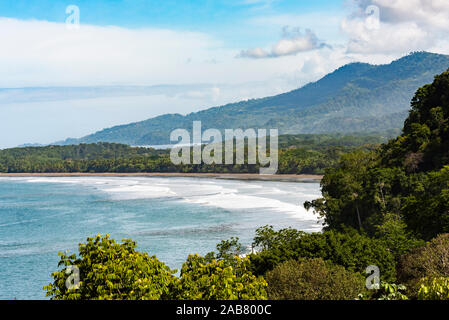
[(228, 176)]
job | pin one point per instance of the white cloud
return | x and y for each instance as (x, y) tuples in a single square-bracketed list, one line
[(430, 13), (292, 43), (389, 38), (255, 53), (396, 26), (39, 53), (44, 53)]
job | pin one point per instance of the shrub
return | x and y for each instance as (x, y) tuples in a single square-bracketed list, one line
[(429, 261), (108, 270), (313, 279), (351, 250), (218, 280), (386, 291), (112, 271), (434, 289)]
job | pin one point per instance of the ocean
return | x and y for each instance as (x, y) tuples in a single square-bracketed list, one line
[(167, 217)]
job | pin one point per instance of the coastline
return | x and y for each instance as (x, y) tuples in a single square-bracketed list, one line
[(229, 176)]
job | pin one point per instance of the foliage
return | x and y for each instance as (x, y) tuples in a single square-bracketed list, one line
[(312, 279), (426, 210), (391, 291), (434, 289), (378, 204), (112, 271), (387, 291), (408, 177), (216, 280), (320, 142), (227, 251), (395, 236), (308, 154), (429, 261), (427, 127), (344, 202), (351, 250)]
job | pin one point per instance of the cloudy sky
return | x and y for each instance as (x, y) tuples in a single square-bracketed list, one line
[(129, 60)]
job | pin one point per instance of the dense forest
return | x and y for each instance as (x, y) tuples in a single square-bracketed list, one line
[(385, 208), (299, 154)]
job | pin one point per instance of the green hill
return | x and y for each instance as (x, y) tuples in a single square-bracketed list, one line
[(406, 180), (357, 97)]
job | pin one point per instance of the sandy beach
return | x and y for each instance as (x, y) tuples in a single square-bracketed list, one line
[(237, 176)]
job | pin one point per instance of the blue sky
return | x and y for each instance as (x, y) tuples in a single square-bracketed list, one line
[(222, 18), (166, 13), (189, 55)]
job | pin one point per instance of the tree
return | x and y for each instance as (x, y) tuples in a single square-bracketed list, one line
[(217, 280), (426, 211), (111, 271), (406, 177), (313, 279), (395, 236), (227, 251), (430, 261), (344, 202), (350, 249)]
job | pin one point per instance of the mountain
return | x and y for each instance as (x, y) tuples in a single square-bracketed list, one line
[(357, 97)]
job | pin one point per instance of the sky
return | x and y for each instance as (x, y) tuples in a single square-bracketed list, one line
[(128, 60)]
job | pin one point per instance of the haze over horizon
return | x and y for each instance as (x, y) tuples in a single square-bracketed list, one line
[(230, 51)]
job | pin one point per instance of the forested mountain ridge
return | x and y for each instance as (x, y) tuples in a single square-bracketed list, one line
[(357, 97), (298, 154)]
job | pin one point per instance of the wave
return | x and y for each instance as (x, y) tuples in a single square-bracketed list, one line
[(269, 196)]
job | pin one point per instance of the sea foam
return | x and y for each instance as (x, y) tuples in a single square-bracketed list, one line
[(265, 196)]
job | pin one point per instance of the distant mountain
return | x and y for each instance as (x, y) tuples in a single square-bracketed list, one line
[(357, 97), (26, 145)]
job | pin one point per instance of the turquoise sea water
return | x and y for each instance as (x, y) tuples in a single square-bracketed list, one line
[(168, 217)]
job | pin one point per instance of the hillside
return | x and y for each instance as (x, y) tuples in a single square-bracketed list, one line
[(407, 179), (357, 97)]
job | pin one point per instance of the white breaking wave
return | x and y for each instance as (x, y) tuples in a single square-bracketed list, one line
[(269, 196)]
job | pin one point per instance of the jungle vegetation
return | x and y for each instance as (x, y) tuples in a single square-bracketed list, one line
[(386, 206)]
